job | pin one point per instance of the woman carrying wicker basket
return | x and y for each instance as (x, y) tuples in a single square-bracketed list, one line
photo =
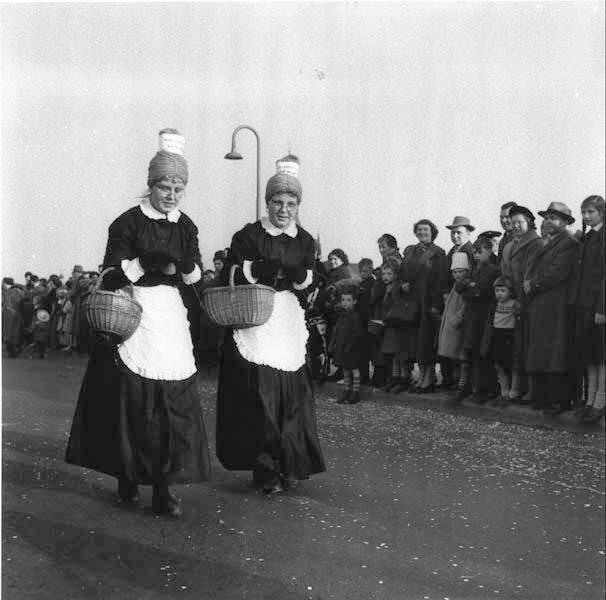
[(265, 410), (138, 415)]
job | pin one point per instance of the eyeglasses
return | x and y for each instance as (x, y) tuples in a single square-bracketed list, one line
[(289, 206), (167, 189)]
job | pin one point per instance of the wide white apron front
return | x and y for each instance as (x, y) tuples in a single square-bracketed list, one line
[(280, 342), (161, 347)]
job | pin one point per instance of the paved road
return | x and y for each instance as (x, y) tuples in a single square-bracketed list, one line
[(417, 504)]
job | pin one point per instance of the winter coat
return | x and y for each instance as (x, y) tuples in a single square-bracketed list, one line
[(478, 299), (515, 259), (450, 340), (347, 341), (422, 267), (12, 319), (551, 276)]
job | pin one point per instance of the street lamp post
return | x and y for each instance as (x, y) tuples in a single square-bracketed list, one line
[(235, 155)]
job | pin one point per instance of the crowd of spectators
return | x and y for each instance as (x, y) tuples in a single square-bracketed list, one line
[(511, 317)]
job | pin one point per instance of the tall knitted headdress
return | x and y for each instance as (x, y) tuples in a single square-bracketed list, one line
[(169, 160)]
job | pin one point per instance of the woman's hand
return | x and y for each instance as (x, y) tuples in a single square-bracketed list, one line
[(599, 319), (265, 270), (296, 274), (405, 287), (154, 260), (527, 286)]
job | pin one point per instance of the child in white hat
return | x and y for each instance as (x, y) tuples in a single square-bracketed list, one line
[(450, 341)]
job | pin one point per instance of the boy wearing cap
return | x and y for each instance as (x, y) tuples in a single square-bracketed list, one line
[(548, 285)]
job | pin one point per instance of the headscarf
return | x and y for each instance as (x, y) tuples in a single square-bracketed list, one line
[(167, 164), (283, 183)]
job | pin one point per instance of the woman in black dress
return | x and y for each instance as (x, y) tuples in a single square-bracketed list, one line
[(265, 410), (138, 416)]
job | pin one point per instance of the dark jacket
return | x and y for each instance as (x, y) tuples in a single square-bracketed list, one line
[(588, 292), (515, 259), (551, 275), (347, 341), (478, 295)]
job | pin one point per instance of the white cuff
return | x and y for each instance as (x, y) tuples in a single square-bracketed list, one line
[(193, 277), (246, 269), (306, 283), (132, 269)]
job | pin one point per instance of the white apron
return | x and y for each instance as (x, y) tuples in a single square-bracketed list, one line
[(161, 347), (281, 342)]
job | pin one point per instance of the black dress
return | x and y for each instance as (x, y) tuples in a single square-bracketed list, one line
[(132, 422), (265, 406)]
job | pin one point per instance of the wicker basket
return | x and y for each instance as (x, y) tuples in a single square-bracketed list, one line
[(114, 313), (238, 306)]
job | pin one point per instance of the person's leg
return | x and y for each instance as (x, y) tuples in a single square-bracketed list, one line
[(599, 399), (354, 397), (345, 395), (505, 383), (403, 381), (395, 374), (464, 383)]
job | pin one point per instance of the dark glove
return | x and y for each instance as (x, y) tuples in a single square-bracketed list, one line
[(188, 265), (265, 270), (296, 274), (114, 280), (154, 260)]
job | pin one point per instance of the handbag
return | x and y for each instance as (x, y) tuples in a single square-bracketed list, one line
[(403, 311)]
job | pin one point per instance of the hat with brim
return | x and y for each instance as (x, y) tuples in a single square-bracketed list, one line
[(521, 210), (490, 234), (560, 209), (461, 222)]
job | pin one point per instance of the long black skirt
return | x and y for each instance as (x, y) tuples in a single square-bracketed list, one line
[(144, 430), (265, 413)]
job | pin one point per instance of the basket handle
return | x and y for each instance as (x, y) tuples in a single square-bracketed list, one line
[(102, 275)]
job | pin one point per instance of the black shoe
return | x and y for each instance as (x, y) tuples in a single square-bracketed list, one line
[(401, 386), (593, 415), (165, 504), (430, 389), (273, 487), (128, 492), (354, 398), (478, 398), (391, 383), (462, 393), (344, 399), (554, 410)]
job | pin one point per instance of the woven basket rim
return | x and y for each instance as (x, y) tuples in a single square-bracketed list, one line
[(114, 295), (248, 286)]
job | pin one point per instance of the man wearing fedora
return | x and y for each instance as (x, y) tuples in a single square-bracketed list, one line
[(460, 229), (548, 283)]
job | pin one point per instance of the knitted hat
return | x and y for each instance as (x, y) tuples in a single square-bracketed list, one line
[(460, 260), (168, 161)]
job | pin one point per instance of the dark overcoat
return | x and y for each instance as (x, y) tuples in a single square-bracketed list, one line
[(551, 275), (348, 339), (422, 267), (515, 259), (588, 298)]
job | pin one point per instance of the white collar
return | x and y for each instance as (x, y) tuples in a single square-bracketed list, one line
[(274, 231), (598, 226), (149, 211)]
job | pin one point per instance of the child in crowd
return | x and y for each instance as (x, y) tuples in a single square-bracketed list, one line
[(392, 344), (478, 294), (41, 332), (346, 344), (450, 340), (498, 339), (317, 348), (367, 280), (589, 303)]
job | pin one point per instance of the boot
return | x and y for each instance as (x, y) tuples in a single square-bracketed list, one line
[(128, 491), (354, 398), (391, 383), (164, 503), (400, 386), (344, 398)]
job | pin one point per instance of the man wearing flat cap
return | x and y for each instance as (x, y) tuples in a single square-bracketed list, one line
[(548, 285)]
